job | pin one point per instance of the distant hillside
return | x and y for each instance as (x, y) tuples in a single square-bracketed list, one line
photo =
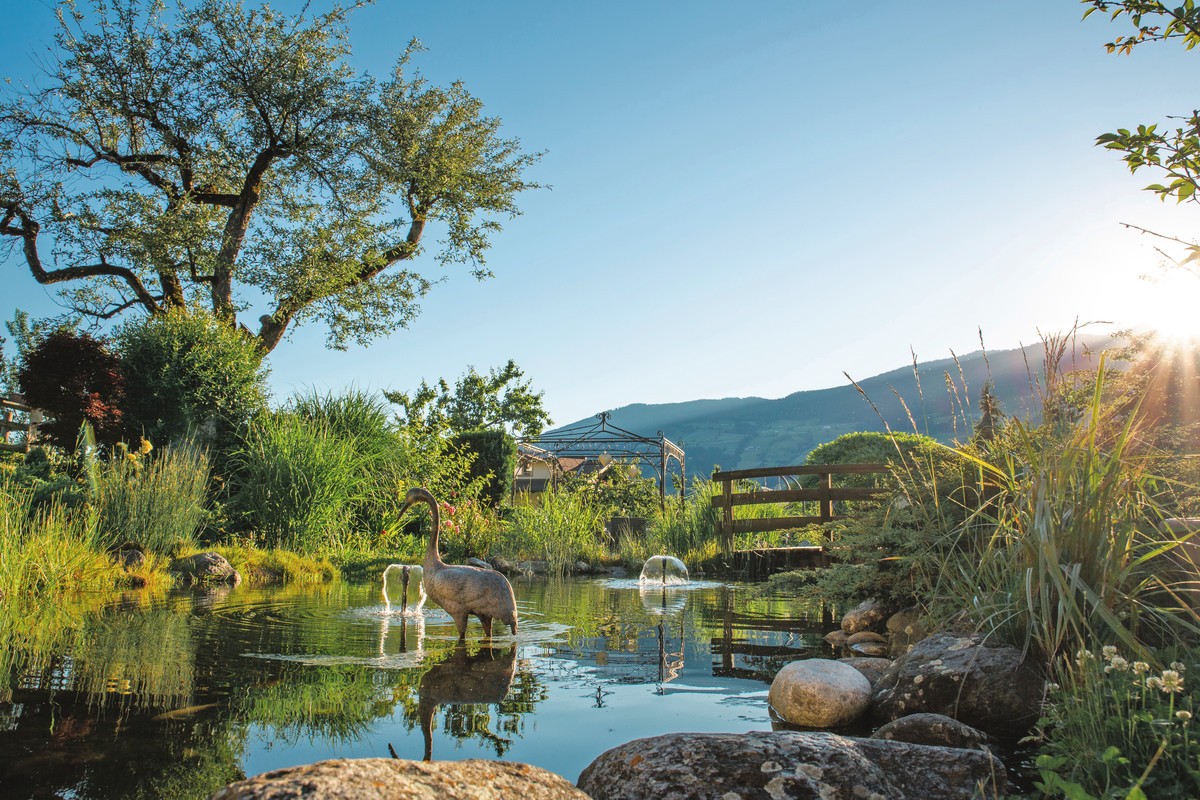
[(744, 432)]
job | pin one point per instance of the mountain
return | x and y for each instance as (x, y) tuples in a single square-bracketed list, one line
[(745, 432)]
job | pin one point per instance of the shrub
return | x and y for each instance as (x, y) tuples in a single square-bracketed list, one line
[(191, 375), (75, 379)]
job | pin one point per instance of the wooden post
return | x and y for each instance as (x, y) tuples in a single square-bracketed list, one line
[(826, 502), (727, 517)]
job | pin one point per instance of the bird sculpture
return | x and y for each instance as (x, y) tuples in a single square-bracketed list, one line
[(462, 590)]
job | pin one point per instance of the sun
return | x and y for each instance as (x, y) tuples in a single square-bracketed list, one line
[(1168, 306)]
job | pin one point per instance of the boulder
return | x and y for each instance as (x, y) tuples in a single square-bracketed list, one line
[(204, 568), (933, 729), (871, 668), (866, 636), (867, 614), (871, 649), (788, 764), (398, 779), (993, 689), (819, 693), (129, 558), (503, 565), (478, 562), (837, 638)]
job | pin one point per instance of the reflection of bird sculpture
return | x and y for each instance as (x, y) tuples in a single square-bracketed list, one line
[(482, 677), (463, 590)]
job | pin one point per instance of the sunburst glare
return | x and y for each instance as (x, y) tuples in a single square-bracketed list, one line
[(1169, 307)]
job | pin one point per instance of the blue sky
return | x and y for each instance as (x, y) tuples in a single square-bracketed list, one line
[(751, 198)]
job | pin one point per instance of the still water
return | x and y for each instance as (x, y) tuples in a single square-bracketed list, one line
[(176, 696)]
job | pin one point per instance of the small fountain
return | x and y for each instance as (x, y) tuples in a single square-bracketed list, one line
[(665, 570), (412, 588)]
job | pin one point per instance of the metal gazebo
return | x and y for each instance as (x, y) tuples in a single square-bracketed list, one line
[(594, 439)]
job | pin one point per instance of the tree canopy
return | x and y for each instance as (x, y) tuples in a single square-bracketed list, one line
[(499, 400), (1172, 150), (208, 153)]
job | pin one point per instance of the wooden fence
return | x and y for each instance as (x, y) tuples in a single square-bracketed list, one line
[(825, 494), (11, 405)]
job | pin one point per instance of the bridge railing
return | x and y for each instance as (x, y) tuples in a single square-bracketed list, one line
[(12, 405), (825, 494)]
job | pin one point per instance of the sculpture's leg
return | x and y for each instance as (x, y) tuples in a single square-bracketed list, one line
[(486, 621), (460, 621), (404, 584)]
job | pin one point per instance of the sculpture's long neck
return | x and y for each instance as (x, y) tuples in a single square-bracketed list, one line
[(433, 561)]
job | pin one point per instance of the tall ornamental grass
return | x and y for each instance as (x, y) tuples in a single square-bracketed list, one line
[(563, 528), (1064, 550), (689, 530), (298, 482), (46, 551), (155, 499)]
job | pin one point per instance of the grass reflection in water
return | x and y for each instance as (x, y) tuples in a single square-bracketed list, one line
[(126, 697)]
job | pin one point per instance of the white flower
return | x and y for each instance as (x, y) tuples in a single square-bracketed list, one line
[(1108, 652), (1154, 682), (1119, 664), (1177, 666), (1083, 656), (1140, 667), (1171, 681), (1184, 715)]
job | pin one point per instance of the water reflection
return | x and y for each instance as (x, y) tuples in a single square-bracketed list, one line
[(466, 679), (176, 695)]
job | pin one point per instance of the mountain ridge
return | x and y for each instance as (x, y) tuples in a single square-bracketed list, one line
[(938, 398)]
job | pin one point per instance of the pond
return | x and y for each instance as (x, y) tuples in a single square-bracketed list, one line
[(174, 697)]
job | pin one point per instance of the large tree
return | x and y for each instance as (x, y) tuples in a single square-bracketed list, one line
[(207, 152), (498, 401), (1171, 150)]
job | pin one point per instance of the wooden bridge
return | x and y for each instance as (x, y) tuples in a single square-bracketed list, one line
[(761, 562), (11, 405)]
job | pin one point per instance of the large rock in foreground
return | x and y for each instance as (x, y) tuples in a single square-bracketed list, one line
[(396, 779), (789, 766), (993, 689), (819, 693)]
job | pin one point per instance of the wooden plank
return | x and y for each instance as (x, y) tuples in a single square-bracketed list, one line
[(797, 495), (776, 523), (805, 469), (14, 448)]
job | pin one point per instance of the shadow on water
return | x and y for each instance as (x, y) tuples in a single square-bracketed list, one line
[(175, 695)]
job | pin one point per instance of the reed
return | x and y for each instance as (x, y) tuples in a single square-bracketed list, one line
[(1064, 548), (153, 499), (298, 481), (561, 529), (47, 551)]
